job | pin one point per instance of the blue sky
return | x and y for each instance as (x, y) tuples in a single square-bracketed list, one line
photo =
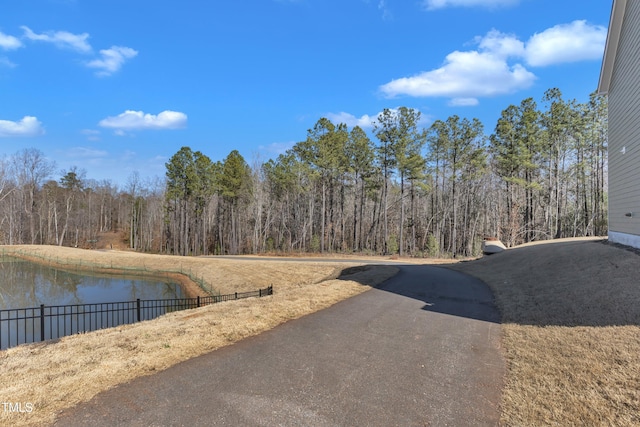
[(114, 86)]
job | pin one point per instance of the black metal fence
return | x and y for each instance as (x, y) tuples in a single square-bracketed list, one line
[(28, 325)]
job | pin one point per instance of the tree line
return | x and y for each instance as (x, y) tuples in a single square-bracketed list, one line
[(399, 189)]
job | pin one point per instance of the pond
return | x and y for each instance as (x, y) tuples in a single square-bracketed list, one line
[(39, 303), (26, 284)]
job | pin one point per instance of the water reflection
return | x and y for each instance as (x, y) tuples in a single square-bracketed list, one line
[(26, 284)]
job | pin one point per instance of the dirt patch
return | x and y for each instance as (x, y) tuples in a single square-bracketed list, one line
[(112, 240)]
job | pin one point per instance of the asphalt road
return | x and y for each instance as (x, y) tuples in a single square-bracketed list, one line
[(421, 350)]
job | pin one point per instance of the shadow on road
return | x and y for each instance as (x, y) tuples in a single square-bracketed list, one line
[(443, 291)]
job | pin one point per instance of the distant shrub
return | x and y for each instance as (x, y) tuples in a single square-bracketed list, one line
[(431, 246), (315, 243), (392, 244)]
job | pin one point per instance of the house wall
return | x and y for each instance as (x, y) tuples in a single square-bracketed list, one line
[(624, 133)]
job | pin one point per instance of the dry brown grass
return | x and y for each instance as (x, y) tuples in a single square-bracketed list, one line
[(571, 332), (58, 375)]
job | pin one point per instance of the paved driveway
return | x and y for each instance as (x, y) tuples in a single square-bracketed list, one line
[(421, 350)]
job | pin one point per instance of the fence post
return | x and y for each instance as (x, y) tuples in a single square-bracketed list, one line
[(260, 293), (198, 301), (138, 310), (41, 322), (236, 295)]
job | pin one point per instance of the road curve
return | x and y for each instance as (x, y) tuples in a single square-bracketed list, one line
[(422, 349)]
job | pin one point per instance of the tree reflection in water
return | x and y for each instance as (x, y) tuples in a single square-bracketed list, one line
[(26, 284)]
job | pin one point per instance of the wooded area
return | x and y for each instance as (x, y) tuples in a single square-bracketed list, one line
[(402, 189)]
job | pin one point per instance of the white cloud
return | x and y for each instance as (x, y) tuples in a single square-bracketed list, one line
[(9, 42), (137, 120), (496, 66), (27, 127), (109, 62), (464, 102), (61, 39), (500, 44), (464, 75), (577, 41), (441, 4), (350, 120), (112, 60)]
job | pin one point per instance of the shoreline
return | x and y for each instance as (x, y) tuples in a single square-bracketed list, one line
[(189, 287)]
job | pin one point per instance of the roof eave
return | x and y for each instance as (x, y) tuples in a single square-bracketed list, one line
[(611, 47)]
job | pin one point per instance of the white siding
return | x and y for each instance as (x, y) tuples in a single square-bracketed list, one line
[(624, 129)]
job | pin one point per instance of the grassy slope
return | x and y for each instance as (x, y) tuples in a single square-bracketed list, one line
[(571, 332)]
